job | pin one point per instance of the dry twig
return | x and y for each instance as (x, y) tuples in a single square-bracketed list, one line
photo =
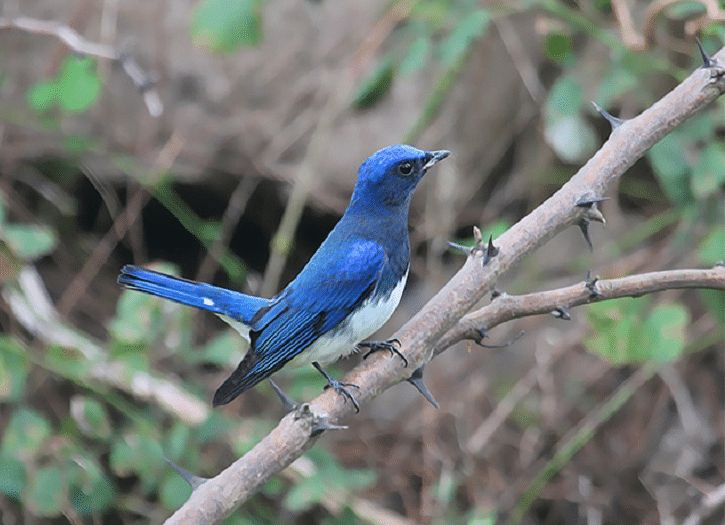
[(71, 38), (419, 338)]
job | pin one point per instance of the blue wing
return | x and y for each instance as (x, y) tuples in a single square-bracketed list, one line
[(328, 289)]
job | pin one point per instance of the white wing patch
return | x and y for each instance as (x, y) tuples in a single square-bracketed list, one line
[(208, 302)]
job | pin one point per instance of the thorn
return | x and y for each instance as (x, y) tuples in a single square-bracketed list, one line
[(588, 199), (584, 227), (491, 251), (468, 250), (561, 312), (615, 122), (288, 403), (193, 480), (591, 285), (417, 381), (322, 423), (707, 60), (483, 334)]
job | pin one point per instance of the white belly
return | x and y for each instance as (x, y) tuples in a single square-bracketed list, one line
[(341, 341)]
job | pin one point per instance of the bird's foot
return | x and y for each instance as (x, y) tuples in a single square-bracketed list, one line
[(391, 345), (288, 403), (339, 387)]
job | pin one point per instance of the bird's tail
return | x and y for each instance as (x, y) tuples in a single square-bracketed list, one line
[(223, 302)]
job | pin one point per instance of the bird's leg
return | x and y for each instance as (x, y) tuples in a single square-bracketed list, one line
[(391, 345), (288, 403), (338, 386)]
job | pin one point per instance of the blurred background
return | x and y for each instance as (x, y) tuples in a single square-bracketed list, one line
[(220, 139)]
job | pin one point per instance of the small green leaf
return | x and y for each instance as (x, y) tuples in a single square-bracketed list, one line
[(223, 350), (663, 334), (12, 476), (463, 35), (25, 434), (712, 248), (565, 98), (572, 138), (708, 175), (46, 493), (305, 494), (28, 241), (558, 47), (174, 491), (13, 369), (227, 25), (669, 162), (376, 85), (43, 96), (78, 84), (67, 361), (91, 491), (177, 441), (91, 417), (416, 57)]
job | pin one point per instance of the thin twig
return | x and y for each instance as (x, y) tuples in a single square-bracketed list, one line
[(293, 435), (71, 38)]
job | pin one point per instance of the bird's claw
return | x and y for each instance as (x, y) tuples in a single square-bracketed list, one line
[(391, 345), (342, 389)]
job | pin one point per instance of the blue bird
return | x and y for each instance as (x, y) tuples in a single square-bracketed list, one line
[(347, 291)]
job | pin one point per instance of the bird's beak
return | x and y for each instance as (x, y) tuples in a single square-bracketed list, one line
[(433, 157)]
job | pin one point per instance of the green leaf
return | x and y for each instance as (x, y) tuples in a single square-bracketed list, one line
[(714, 301), (572, 138), (565, 98), (140, 455), (712, 248), (28, 241), (668, 160), (91, 417), (174, 491), (91, 491), (558, 47), (376, 85), (416, 57), (78, 84), (463, 35), (227, 25), (622, 337), (67, 361), (13, 369), (223, 350), (43, 96), (177, 441), (12, 476), (708, 175), (25, 434), (46, 493), (305, 494), (663, 334)]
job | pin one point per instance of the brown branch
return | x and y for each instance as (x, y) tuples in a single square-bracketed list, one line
[(507, 307), (216, 498), (76, 42)]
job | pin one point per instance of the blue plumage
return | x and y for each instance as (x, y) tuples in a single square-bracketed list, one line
[(346, 291)]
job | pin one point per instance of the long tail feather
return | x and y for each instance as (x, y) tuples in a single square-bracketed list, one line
[(238, 306)]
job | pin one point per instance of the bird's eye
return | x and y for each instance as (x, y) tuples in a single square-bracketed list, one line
[(405, 168)]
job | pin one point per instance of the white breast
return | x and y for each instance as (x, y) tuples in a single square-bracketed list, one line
[(366, 320), (341, 341)]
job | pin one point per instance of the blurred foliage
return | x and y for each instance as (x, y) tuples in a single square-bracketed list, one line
[(104, 456)]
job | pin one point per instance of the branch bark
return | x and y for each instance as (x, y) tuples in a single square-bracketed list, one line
[(419, 337)]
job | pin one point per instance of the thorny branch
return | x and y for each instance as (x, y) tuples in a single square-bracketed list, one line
[(419, 338), (71, 38)]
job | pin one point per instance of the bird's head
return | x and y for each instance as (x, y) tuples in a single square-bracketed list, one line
[(390, 175)]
